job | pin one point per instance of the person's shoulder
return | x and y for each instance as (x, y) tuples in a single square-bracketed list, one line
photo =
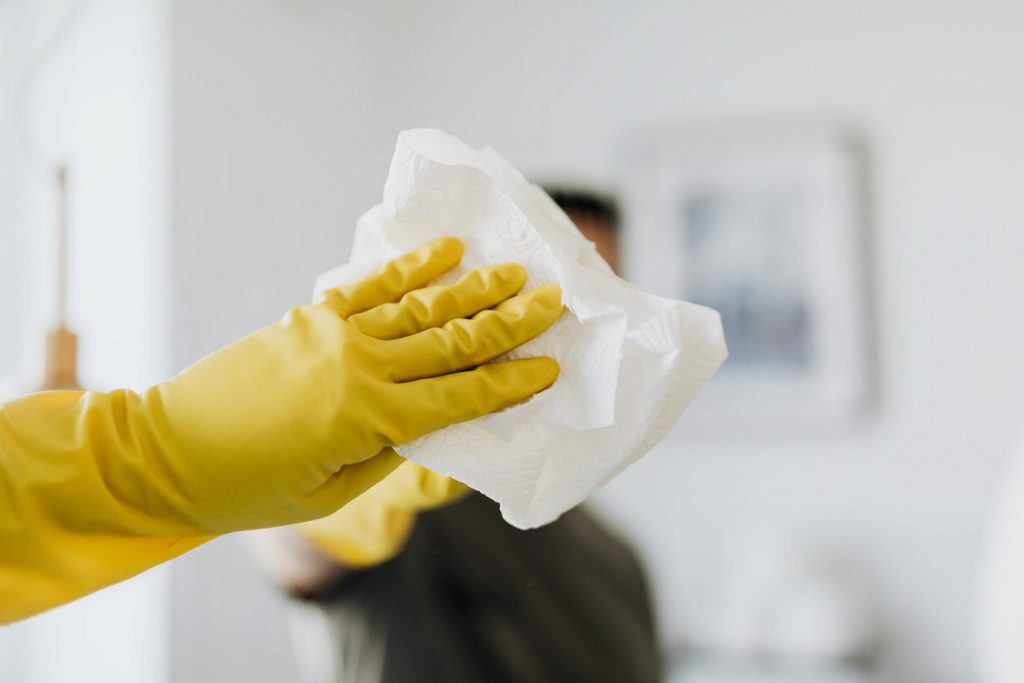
[(578, 537)]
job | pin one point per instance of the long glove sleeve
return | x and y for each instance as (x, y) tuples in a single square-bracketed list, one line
[(66, 527), (283, 426)]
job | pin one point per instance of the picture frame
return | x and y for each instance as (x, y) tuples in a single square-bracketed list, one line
[(767, 223)]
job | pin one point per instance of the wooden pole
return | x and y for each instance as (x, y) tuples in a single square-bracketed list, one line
[(61, 343)]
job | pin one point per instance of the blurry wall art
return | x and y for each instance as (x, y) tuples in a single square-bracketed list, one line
[(764, 221)]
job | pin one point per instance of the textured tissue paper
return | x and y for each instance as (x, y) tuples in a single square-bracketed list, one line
[(631, 361)]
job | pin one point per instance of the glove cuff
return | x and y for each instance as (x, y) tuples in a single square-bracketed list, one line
[(361, 538)]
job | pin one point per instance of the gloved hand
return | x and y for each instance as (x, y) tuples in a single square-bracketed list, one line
[(373, 528), (285, 425)]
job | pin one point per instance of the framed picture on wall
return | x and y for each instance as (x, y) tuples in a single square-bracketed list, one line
[(765, 222)]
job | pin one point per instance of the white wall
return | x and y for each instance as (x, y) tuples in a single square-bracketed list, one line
[(284, 118), (8, 275), (97, 102), (264, 187)]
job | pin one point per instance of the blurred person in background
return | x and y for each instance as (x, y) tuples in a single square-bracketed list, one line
[(420, 579)]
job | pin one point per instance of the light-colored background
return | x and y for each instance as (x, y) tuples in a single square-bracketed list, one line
[(222, 151)]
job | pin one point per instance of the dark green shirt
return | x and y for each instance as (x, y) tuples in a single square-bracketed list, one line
[(472, 599)]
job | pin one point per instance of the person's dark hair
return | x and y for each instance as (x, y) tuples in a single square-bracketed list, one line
[(597, 207)]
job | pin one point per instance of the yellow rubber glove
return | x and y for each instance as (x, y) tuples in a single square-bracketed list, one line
[(373, 528), (283, 426)]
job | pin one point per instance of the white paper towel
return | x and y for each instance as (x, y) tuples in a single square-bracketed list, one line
[(631, 362)]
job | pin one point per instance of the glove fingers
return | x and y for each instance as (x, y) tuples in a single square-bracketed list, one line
[(430, 307), (399, 276), (463, 343), (438, 402)]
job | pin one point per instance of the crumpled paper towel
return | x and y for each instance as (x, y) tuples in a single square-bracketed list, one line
[(631, 361)]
